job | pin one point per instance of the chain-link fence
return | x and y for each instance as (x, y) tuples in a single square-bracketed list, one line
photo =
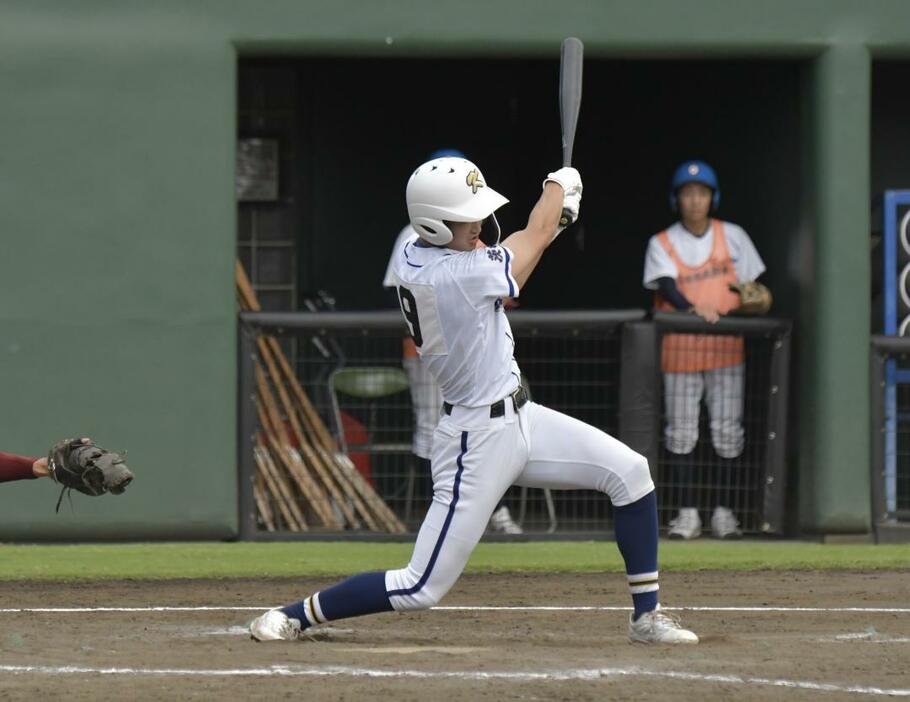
[(359, 373), (723, 425)]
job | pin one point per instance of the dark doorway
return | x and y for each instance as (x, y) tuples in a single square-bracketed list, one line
[(351, 131)]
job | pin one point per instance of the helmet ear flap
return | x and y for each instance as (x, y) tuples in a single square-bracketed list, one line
[(432, 231)]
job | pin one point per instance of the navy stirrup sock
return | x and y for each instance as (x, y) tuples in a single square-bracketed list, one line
[(635, 526), (354, 597)]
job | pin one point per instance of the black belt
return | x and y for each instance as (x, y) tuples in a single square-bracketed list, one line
[(519, 399)]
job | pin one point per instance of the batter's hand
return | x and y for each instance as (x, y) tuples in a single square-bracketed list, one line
[(568, 178), (571, 205)]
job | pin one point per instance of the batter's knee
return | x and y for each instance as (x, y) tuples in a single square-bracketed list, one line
[(631, 483), (407, 592), (422, 599)]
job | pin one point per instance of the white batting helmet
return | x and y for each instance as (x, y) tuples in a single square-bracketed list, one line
[(450, 189)]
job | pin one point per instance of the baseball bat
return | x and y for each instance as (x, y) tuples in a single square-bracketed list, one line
[(570, 65)]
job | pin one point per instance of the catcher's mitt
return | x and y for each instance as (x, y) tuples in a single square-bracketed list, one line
[(78, 464), (754, 298)]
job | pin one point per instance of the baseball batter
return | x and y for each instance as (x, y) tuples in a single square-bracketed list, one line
[(426, 398), (691, 266), (490, 436)]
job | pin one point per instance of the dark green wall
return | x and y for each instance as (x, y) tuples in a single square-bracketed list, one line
[(116, 222), (117, 211)]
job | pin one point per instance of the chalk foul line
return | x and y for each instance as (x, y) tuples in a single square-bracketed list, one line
[(591, 674), (462, 608)]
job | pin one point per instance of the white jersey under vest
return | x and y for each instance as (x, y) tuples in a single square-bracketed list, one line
[(452, 302), (694, 250)]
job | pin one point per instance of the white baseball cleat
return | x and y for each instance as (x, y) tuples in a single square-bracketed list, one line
[(274, 625), (724, 524), (687, 524), (502, 521), (657, 627)]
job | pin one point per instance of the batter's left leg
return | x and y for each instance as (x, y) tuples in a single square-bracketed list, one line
[(567, 454)]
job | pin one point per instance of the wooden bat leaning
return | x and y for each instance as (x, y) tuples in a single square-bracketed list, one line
[(570, 69)]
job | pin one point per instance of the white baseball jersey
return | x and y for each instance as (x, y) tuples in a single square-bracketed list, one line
[(426, 399), (694, 250), (404, 236), (452, 303)]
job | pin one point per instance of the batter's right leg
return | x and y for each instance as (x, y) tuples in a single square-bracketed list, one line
[(472, 469)]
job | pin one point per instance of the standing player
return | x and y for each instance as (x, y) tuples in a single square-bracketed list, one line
[(426, 398), (693, 266), (489, 436)]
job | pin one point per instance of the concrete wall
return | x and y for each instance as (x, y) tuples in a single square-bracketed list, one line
[(117, 218)]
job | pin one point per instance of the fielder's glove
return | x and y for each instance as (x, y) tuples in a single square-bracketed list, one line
[(754, 298), (78, 464)]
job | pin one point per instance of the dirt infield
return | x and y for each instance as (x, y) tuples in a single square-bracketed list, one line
[(466, 653)]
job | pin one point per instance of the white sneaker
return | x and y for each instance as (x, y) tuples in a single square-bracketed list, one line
[(687, 524), (502, 521), (274, 625), (659, 627), (724, 524)]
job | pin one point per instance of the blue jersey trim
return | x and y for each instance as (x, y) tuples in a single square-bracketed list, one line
[(509, 275), (406, 258), (445, 526)]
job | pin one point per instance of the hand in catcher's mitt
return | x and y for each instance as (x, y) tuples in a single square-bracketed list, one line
[(77, 464), (754, 298)]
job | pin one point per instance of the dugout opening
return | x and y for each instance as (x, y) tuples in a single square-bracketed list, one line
[(348, 133)]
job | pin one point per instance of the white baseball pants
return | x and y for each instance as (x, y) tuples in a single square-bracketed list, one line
[(476, 459), (723, 391)]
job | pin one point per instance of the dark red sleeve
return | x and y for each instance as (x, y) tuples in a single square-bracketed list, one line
[(13, 467)]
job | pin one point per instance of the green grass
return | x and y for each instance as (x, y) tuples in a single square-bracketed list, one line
[(260, 560)]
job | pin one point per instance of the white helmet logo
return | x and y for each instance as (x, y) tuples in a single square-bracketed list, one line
[(473, 180), (693, 169)]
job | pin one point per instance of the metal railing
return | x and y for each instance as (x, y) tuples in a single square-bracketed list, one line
[(748, 475), (599, 366)]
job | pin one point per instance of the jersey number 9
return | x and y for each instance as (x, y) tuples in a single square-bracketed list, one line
[(409, 310)]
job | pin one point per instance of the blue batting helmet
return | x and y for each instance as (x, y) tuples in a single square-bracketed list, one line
[(694, 172), (442, 153)]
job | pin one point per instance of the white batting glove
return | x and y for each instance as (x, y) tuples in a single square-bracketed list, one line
[(567, 177), (571, 206)]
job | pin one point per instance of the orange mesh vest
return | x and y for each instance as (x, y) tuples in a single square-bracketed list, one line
[(408, 348), (703, 285)]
